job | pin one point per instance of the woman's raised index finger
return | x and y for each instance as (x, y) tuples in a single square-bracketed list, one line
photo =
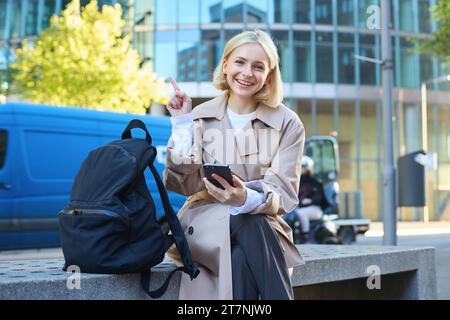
[(174, 84)]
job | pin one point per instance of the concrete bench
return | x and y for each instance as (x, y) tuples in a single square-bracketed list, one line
[(331, 272)]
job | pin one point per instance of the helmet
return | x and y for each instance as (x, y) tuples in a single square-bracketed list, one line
[(307, 163)]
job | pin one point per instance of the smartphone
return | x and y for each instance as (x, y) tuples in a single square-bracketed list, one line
[(220, 169)]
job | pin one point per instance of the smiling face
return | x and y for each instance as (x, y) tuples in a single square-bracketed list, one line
[(246, 70)]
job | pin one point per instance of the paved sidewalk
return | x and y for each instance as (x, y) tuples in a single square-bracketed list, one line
[(409, 228), (51, 253)]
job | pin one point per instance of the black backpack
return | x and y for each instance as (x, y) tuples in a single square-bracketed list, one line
[(109, 225)]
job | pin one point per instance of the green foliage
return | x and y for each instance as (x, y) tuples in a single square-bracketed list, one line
[(84, 60), (439, 43)]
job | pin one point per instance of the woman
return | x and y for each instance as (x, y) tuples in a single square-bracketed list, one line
[(236, 234)]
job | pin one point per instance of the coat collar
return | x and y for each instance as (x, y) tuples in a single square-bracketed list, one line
[(216, 108)]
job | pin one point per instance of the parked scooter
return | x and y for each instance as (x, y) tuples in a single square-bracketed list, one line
[(322, 231)]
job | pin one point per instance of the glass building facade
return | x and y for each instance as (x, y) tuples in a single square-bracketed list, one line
[(323, 82)]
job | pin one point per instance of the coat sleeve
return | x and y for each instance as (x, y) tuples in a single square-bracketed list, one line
[(281, 181), (182, 173)]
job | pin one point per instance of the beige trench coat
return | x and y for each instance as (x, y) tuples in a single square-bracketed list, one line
[(266, 154)]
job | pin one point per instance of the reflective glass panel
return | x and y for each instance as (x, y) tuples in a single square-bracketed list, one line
[(210, 53), (324, 57), (31, 18), (324, 12), (409, 70), (188, 12), (345, 12), (233, 10), (406, 15), (257, 11), (281, 39), (280, 11), (2, 19), (302, 11), (211, 11), (367, 71), (165, 53), (165, 12), (346, 59), (302, 56), (424, 16), (187, 54), (49, 10)]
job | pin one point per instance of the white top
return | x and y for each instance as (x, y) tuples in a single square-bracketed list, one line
[(238, 121), (182, 132)]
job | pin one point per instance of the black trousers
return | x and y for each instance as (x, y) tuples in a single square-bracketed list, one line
[(258, 266)]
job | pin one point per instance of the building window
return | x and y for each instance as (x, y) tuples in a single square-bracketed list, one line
[(426, 68), (144, 13), (49, 10), (233, 11), (324, 57), (324, 12), (424, 16), (408, 65), (31, 18), (210, 53), (345, 12), (64, 3), (3, 19), (281, 39), (211, 11), (187, 54), (324, 117), (165, 53), (406, 16), (346, 59), (302, 52), (142, 42), (280, 11), (166, 12), (304, 111), (302, 11), (188, 12), (367, 71), (347, 146), (256, 11), (16, 19)]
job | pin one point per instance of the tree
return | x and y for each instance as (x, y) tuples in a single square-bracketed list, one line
[(439, 43), (83, 59)]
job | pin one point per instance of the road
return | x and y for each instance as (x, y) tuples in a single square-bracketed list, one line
[(422, 235)]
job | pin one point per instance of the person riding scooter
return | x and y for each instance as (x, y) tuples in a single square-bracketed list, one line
[(311, 198)]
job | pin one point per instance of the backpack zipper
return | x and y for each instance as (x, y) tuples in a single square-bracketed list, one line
[(79, 212)]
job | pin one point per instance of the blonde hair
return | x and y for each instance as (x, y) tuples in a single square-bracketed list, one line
[(272, 93)]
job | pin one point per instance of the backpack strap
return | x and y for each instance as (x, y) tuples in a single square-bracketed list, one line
[(134, 124), (189, 266), (145, 282), (175, 226)]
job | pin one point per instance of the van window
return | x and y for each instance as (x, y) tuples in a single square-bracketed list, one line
[(3, 141)]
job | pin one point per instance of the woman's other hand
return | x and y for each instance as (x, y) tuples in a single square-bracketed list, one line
[(179, 103), (235, 196)]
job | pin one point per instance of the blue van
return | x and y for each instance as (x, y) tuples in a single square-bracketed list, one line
[(41, 149)]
